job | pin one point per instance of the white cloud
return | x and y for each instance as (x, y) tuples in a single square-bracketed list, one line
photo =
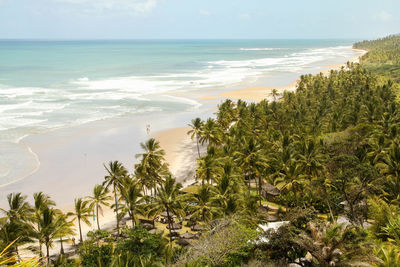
[(383, 16), (204, 12), (138, 6)]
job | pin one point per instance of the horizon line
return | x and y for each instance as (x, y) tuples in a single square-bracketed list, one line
[(173, 39)]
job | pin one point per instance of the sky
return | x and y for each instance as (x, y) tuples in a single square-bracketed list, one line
[(198, 19)]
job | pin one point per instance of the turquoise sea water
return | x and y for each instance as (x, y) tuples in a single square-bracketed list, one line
[(45, 85)]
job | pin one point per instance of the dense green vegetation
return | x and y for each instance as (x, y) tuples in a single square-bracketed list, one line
[(331, 148), (383, 57)]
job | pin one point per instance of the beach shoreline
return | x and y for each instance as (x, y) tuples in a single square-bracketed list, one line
[(116, 140)]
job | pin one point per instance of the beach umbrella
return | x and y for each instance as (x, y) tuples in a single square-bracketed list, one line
[(175, 226), (197, 228), (183, 242), (188, 235)]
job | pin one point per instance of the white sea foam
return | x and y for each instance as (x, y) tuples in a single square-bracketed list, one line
[(184, 100), (97, 99), (260, 49)]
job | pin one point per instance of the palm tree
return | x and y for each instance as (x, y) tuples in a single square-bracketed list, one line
[(226, 114), (291, 179), (168, 198), (19, 208), (207, 169), (152, 162), (134, 200), (41, 202), (66, 228), (309, 158), (196, 130), (99, 198), (210, 133), (52, 224), (204, 208), (82, 212), (18, 215), (226, 193), (116, 171), (253, 163), (390, 166), (274, 94)]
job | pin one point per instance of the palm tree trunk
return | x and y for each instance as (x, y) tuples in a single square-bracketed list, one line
[(259, 188), (47, 254), (248, 185), (116, 208), (97, 215), (198, 149), (40, 249), (16, 251), (169, 226), (80, 230), (132, 218), (330, 210), (62, 246)]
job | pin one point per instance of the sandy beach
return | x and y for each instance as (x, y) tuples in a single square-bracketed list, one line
[(257, 94)]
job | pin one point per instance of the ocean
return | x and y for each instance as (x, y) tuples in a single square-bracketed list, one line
[(47, 85)]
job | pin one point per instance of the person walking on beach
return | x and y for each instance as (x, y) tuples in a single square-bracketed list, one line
[(148, 129)]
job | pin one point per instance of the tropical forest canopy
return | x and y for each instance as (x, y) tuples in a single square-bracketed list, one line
[(383, 56)]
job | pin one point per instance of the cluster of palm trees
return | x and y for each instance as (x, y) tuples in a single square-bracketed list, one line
[(24, 223)]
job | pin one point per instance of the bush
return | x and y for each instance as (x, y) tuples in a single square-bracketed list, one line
[(142, 243), (94, 256)]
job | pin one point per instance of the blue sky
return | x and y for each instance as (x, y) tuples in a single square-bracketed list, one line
[(187, 19)]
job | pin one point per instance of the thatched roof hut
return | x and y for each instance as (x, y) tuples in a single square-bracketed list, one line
[(165, 215), (183, 242), (272, 218), (188, 235), (271, 190), (175, 226), (197, 228), (156, 231)]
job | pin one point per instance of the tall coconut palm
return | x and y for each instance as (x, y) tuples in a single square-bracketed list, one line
[(204, 209), (309, 158), (82, 213), (152, 161), (390, 166), (19, 208), (208, 169), (253, 163), (18, 216), (211, 133), (195, 132), (51, 225), (226, 114), (116, 171), (41, 202), (134, 200), (66, 228), (99, 198), (291, 179), (168, 198), (226, 193)]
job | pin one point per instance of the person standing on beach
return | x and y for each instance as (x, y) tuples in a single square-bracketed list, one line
[(148, 129)]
